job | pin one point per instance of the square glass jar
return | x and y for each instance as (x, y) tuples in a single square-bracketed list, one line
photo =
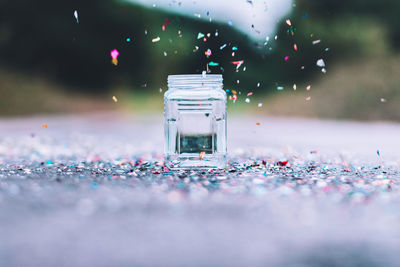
[(195, 122)]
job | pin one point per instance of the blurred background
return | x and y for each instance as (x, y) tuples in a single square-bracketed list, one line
[(303, 58)]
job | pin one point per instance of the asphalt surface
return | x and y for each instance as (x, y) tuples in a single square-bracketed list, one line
[(91, 190)]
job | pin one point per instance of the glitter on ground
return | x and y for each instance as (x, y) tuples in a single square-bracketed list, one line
[(103, 183)]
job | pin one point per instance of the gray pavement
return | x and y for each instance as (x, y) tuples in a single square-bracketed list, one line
[(90, 190)]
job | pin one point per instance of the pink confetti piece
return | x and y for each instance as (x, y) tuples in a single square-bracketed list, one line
[(114, 54)]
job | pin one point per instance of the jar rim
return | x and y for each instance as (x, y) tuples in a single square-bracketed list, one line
[(188, 81)]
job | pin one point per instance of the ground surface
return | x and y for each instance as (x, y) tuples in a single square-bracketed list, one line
[(91, 191)]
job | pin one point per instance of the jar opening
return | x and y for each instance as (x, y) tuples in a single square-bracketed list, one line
[(193, 81)]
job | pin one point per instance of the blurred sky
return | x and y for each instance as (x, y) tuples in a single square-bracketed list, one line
[(241, 14)]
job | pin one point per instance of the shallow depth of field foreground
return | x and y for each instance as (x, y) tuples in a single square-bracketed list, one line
[(96, 194)]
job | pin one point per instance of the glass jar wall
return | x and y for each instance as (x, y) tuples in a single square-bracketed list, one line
[(195, 122)]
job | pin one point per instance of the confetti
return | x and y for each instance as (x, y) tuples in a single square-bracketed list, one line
[(320, 63), (128, 40), (308, 88), (295, 47), (155, 40), (260, 105), (282, 163), (258, 84), (222, 46), (280, 88), (316, 42), (294, 87), (308, 98), (212, 64), (288, 22), (383, 100), (238, 63), (378, 153), (201, 156), (287, 58), (115, 99), (247, 100), (323, 70), (76, 16), (249, 94), (208, 52), (200, 35), (258, 124), (234, 48), (44, 125), (114, 56)]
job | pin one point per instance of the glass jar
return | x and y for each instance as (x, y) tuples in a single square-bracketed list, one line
[(195, 122)]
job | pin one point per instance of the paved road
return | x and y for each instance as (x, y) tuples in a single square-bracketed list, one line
[(91, 190)]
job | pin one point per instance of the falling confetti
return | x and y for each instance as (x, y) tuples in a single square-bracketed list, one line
[(238, 63), (44, 125), (383, 100), (222, 46), (320, 63), (258, 124), (249, 94), (260, 105), (279, 88), (114, 55), (308, 87), (76, 16), (258, 84), (287, 58), (294, 87), (163, 27), (288, 22), (115, 99), (212, 64), (200, 35), (295, 47), (155, 40), (316, 42), (208, 52)]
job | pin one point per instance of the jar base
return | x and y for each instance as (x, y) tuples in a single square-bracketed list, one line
[(194, 162)]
